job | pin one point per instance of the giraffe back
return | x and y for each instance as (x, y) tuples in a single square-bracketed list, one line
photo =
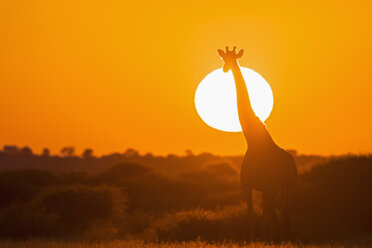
[(269, 168)]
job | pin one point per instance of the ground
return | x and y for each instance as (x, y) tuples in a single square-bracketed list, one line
[(138, 244)]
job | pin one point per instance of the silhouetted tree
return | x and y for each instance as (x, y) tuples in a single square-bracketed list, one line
[(26, 151), (88, 153), (45, 152), (172, 155), (149, 155), (131, 153), (68, 151), (189, 153), (11, 149)]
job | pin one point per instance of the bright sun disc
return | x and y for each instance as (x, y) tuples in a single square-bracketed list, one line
[(215, 99)]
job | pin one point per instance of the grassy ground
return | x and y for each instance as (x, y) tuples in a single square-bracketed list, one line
[(138, 244)]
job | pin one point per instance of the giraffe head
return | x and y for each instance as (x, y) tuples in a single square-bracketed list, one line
[(230, 57)]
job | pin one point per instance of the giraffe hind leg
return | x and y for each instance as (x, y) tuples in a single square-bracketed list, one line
[(285, 216), (270, 221), (251, 216)]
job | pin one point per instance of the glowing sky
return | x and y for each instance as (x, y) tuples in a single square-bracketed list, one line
[(116, 74)]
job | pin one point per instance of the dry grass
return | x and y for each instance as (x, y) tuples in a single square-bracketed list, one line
[(139, 243)]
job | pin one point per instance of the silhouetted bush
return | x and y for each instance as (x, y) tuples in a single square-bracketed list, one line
[(69, 211), (147, 190), (25, 220), (22, 186), (229, 223), (337, 196), (153, 192), (78, 206)]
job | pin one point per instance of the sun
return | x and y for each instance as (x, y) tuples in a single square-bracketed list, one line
[(215, 99)]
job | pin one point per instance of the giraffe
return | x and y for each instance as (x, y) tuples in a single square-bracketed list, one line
[(266, 167)]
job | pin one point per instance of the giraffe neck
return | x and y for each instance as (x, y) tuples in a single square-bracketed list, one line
[(254, 130), (245, 109)]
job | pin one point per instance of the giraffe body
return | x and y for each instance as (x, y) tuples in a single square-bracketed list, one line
[(269, 169), (266, 167)]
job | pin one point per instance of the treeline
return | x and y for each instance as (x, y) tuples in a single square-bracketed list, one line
[(13, 158), (333, 202)]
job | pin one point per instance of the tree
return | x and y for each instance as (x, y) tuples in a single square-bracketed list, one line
[(88, 153), (11, 149), (26, 151), (149, 155), (131, 153), (68, 151), (189, 153), (45, 152)]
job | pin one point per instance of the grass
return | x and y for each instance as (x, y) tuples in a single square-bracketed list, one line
[(139, 243)]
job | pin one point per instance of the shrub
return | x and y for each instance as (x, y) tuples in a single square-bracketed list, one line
[(69, 211), (230, 223), (334, 200), (22, 185), (78, 206), (26, 220)]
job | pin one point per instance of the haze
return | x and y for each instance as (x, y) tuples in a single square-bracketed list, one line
[(123, 74)]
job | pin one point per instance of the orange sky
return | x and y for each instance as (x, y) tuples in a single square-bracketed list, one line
[(114, 74)]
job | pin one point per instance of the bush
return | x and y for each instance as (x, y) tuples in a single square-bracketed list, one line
[(69, 211), (78, 206), (26, 220), (230, 223), (334, 200), (23, 185)]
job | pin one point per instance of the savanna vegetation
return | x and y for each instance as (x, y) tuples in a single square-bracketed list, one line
[(142, 244), (152, 199)]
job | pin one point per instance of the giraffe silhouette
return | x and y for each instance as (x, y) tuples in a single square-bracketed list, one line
[(266, 167)]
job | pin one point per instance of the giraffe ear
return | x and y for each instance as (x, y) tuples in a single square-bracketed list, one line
[(240, 53), (221, 53)]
